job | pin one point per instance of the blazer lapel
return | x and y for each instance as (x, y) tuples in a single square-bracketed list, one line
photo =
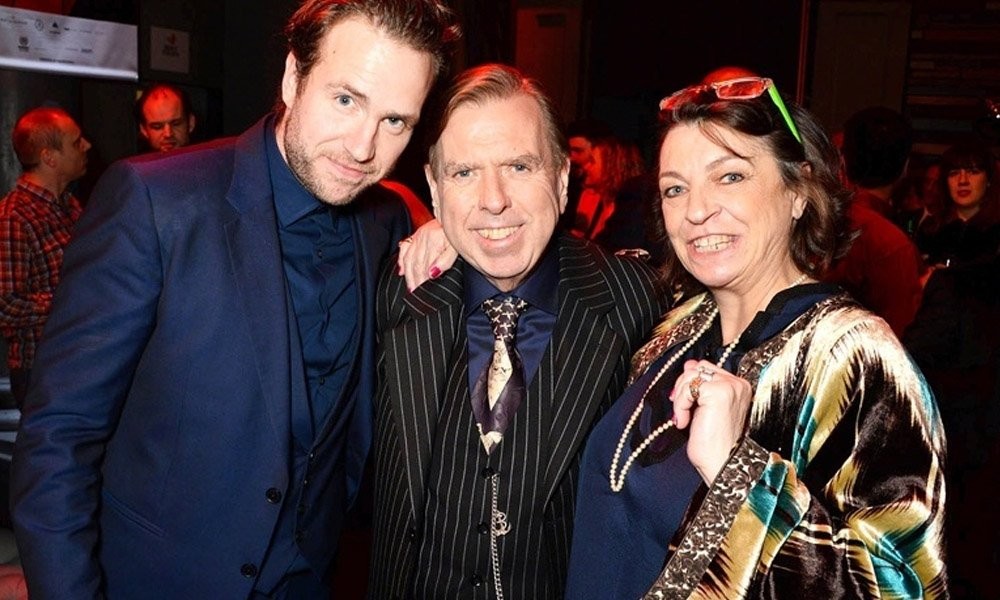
[(418, 363), (581, 359), (255, 256)]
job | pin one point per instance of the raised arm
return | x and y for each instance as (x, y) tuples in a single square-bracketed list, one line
[(849, 505)]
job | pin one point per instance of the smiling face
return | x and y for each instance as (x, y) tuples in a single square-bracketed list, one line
[(497, 189), (727, 211), (347, 122), (967, 187)]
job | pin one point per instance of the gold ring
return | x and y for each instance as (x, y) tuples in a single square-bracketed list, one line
[(405, 240), (695, 387), (706, 373)]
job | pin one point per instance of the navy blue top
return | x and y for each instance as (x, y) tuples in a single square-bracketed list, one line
[(317, 251), (534, 327), (620, 540)]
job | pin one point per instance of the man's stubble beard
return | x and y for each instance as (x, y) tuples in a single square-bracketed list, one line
[(303, 169)]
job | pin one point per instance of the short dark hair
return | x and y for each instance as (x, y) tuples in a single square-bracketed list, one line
[(155, 88), (877, 142), (820, 235), (36, 130), (424, 25), (494, 81)]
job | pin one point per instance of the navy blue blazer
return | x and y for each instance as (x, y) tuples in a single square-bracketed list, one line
[(154, 452)]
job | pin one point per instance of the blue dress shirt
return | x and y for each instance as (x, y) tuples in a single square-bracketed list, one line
[(534, 327), (318, 256)]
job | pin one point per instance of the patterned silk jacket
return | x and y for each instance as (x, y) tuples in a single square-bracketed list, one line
[(837, 490)]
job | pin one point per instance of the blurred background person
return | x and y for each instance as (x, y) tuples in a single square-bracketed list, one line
[(36, 222), (630, 226), (953, 340), (882, 269), (916, 198), (968, 229), (932, 198), (747, 458), (581, 135), (166, 120), (612, 163)]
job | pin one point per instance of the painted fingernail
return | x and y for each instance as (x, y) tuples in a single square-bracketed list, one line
[(435, 272)]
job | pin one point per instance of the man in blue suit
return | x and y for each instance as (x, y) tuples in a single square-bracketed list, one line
[(200, 411)]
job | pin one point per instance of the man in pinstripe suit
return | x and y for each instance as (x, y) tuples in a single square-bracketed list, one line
[(451, 520)]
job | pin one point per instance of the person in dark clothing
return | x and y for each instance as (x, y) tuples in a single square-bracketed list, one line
[(953, 340), (969, 229)]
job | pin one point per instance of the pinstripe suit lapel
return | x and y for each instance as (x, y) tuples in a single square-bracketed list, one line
[(581, 359), (416, 388)]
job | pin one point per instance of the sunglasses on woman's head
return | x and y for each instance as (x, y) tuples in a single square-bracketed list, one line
[(744, 88)]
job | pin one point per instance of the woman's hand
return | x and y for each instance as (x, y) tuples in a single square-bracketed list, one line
[(714, 404), (425, 255)]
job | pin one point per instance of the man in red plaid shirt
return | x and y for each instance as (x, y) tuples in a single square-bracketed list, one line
[(36, 220)]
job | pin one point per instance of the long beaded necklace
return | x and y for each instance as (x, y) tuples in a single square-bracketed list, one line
[(617, 480)]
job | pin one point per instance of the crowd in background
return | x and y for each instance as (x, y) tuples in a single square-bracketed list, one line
[(925, 257)]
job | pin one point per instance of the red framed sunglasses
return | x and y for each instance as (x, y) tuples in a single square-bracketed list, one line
[(744, 88)]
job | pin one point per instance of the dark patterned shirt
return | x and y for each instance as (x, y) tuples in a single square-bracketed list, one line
[(35, 227)]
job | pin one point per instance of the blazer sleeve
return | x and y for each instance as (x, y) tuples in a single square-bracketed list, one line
[(854, 509), (101, 318)]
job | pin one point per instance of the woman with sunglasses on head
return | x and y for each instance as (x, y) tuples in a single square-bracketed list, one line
[(776, 441), (969, 229)]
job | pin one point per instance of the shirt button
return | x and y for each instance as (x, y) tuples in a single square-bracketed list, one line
[(273, 495), (412, 533), (322, 380), (319, 253), (476, 580), (487, 472), (248, 570), (483, 528)]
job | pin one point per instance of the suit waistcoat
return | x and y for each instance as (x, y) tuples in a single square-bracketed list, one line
[(318, 254), (454, 555)]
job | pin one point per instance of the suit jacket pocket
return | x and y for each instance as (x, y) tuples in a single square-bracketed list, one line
[(120, 508)]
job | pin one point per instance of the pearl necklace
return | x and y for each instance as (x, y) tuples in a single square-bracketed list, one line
[(616, 479)]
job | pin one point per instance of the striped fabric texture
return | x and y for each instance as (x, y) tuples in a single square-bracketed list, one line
[(432, 491)]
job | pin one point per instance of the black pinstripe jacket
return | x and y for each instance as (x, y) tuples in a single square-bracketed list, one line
[(607, 306)]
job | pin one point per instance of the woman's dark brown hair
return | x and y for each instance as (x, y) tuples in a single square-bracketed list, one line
[(810, 168)]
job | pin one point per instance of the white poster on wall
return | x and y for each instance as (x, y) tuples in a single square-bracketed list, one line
[(169, 50), (37, 41)]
